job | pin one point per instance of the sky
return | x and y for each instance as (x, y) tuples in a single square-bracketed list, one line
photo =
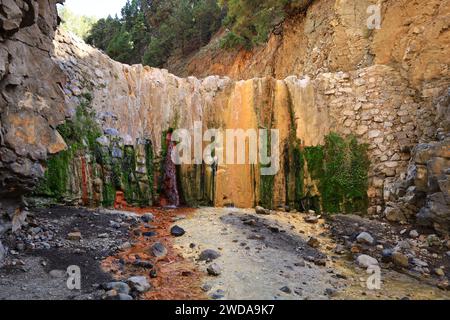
[(95, 8)]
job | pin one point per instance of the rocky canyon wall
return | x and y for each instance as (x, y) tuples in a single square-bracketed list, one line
[(31, 99), (140, 104), (325, 73)]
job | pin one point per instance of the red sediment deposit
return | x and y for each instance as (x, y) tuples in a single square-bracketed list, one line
[(177, 278)]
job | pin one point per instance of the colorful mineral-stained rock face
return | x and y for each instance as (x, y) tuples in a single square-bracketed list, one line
[(169, 178)]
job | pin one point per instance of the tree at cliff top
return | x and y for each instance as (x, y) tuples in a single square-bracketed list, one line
[(250, 22), (150, 32), (79, 25)]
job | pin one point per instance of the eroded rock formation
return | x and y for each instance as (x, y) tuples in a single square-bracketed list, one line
[(374, 103), (383, 86), (31, 100)]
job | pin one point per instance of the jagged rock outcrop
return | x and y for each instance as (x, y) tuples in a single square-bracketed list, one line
[(31, 102), (424, 194)]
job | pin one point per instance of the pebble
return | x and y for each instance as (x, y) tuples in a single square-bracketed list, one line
[(148, 217), (114, 224), (286, 289), (331, 292), (158, 250), (209, 255), (57, 273), (214, 270), (365, 238), (414, 234), (177, 231), (139, 283), (119, 287), (149, 234), (262, 211), (74, 236), (439, 272), (218, 294), (313, 242), (206, 287), (366, 261), (400, 260), (419, 263), (143, 264), (339, 249), (312, 219)]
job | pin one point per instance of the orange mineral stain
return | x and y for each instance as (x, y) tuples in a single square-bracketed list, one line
[(177, 278)]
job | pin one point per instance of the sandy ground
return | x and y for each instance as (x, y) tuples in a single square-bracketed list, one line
[(258, 262)]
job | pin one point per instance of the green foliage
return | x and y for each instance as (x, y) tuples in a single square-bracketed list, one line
[(341, 167), (79, 134), (79, 25), (150, 32), (250, 22)]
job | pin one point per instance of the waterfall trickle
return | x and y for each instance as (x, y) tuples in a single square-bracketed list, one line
[(169, 182)]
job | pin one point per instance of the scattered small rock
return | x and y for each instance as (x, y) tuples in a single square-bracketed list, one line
[(206, 287), (115, 224), (119, 287), (399, 259), (413, 234), (139, 283), (314, 242), (439, 272), (148, 217), (331, 292), (149, 234), (214, 270), (365, 238), (177, 231), (57, 274), (311, 219), (262, 211), (158, 250), (218, 294), (286, 289), (143, 264), (339, 249), (366, 261), (74, 236), (209, 255)]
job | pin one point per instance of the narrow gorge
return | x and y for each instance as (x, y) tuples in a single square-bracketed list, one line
[(364, 149)]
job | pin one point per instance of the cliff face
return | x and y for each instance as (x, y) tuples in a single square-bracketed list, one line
[(325, 73), (141, 103), (31, 101), (332, 36)]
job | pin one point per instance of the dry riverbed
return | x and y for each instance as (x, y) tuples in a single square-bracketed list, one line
[(217, 253)]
